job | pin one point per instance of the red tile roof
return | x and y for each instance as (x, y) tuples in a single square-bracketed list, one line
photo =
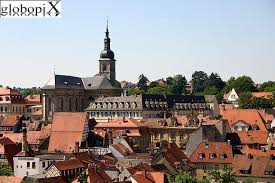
[(33, 100), (5, 141), (10, 179), (149, 177), (257, 152), (9, 91), (249, 116), (253, 137), (69, 125), (69, 164), (266, 95), (119, 123), (9, 120), (122, 149), (255, 165), (222, 152)]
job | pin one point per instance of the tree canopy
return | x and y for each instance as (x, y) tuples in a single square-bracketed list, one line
[(5, 169)]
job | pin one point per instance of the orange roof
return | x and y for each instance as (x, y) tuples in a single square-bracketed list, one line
[(9, 120), (10, 179), (33, 137), (266, 116), (256, 164), (221, 151), (119, 123), (257, 152), (149, 177), (266, 95), (68, 121), (252, 137), (33, 99), (69, 125), (69, 164), (249, 116), (67, 144), (99, 132), (122, 149), (8, 91)]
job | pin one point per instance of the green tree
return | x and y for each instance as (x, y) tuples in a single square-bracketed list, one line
[(83, 177), (156, 90), (29, 180), (249, 180), (198, 80), (183, 177), (142, 82), (154, 84), (245, 100), (244, 83), (214, 81), (5, 169), (135, 91), (225, 176), (176, 84), (267, 86)]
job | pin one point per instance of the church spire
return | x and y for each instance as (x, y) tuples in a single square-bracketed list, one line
[(107, 40)]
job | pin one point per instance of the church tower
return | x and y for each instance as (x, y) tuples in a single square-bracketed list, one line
[(107, 62)]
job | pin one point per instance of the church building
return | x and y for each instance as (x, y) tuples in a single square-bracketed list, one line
[(73, 94)]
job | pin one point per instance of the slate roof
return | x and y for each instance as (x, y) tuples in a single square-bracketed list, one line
[(96, 82), (71, 82)]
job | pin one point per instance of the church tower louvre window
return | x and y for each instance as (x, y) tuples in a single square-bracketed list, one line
[(107, 60)]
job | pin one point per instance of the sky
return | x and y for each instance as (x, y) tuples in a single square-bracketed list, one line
[(159, 38)]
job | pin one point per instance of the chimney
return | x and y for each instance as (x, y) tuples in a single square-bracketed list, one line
[(229, 142), (24, 140), (123, 119), (144, 173), (249, 156), (223, 107), (76, 147), (110, 138), (206, 143), (169, 145)]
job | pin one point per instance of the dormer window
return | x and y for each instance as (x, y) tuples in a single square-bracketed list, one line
[(201, 155), (120, 105), (268, 173), (7, 98), (109, 105), (223, 156), (98, 105), (134, 105), (127, 105), (115, 105), (212, 155)]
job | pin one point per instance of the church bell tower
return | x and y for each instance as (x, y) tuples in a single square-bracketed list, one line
[(107, 62)]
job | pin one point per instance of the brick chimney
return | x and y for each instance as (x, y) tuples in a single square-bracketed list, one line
[(223, 107), (24, 140), (76, 147)]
